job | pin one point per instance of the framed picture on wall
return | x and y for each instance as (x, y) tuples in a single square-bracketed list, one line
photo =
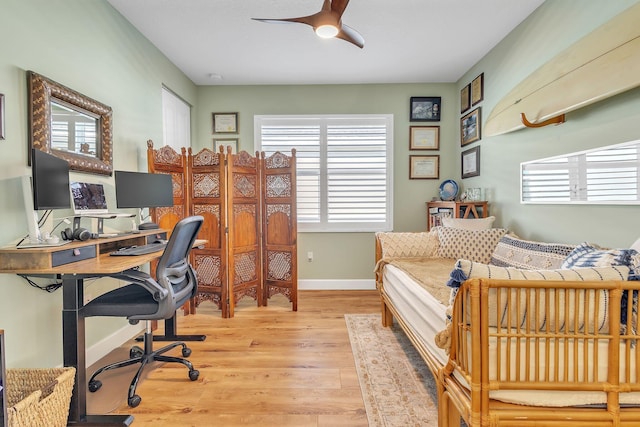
[(224, 143), (470, 162), (424, 167), (465, 98), (425, 108), (225, 122), (477, 89), (470, 127), (424, 138)]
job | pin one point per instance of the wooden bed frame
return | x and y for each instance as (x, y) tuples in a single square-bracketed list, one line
[(545, 358)]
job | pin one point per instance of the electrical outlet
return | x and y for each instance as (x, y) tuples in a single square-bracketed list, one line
[(310, 256)]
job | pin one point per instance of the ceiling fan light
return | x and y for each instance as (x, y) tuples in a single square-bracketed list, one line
[(327, 31)]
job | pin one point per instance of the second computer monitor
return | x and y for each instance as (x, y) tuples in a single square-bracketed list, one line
[(143, 190)]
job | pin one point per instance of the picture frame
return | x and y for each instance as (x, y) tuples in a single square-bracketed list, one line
[(425, 108), (424, 137), (225, 142), (470, 125), (225, 122), (424, 167), (1, 115), (465, 98), (477, 90), (470, 160)]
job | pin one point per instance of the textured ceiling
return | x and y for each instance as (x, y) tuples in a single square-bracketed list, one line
[(406, 41)]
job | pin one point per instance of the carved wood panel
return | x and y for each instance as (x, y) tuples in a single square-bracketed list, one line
[(279, 225), (207, 181), (245, 255), (167, 160), (249, 209)]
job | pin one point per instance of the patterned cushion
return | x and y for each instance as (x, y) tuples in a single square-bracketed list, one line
[(408, 245), (469, 223), (466, 269), (514, 252), (476, 245), (587, 255)]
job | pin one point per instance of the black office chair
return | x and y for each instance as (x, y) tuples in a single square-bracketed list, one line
[(146, 298)]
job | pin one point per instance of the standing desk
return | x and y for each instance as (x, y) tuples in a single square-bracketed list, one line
[(72, 263)]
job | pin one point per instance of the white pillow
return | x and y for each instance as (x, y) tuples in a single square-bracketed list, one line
[(469, 223)]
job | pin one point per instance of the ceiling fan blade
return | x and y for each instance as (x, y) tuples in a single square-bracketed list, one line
[(352, 36), (302, 20), (338, 6)]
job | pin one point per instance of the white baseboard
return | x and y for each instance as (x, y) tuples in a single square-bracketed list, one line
[(106, 345), (338, 285)]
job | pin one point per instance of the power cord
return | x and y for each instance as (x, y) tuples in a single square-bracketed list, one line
[(48, 288), (41, 221)]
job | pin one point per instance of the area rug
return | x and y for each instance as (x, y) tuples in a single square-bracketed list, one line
[(397, 387)]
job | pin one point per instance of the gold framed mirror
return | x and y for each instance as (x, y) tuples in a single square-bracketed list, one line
[(69, 125)]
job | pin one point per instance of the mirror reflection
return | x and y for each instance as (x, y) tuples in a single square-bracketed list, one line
[(73, 130), (70, 125)]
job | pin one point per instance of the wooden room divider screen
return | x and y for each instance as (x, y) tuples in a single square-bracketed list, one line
[(249, 210)]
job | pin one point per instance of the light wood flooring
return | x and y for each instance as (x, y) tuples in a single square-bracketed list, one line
[(266, 366)]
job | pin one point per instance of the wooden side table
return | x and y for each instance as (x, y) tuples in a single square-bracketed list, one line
[(442, 209)]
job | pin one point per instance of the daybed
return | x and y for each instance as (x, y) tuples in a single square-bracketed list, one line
[(534, 333)]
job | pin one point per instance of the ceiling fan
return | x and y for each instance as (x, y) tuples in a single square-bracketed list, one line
[(327, 23)]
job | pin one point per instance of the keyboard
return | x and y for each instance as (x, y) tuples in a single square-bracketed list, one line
[(140, 250)]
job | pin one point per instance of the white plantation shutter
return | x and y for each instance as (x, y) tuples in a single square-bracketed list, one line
[(608, 175), (343, 168), (176, 120)]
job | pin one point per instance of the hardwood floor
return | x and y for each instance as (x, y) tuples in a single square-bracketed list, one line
[(266, 366)]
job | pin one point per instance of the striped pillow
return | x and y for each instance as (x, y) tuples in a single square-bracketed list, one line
[(466, 269)]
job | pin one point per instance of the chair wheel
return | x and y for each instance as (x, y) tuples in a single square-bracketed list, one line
[(94, 385), (134, 400), (186, 352), (194, 374), (135, 352)]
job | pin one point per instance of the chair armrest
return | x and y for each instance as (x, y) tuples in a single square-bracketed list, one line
[(145, 280)]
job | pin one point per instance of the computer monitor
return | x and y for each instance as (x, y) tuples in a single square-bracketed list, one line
[(143, 190), (50, 181), (47, 188)]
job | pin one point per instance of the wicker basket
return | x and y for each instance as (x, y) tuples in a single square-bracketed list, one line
[(39, 397)]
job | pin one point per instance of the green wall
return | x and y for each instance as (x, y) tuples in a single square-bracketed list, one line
[(89, 47), (549, 30), (343, 255)]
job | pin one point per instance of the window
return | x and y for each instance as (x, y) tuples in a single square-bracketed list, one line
[(176, 120), (608, 175), (344, 174)]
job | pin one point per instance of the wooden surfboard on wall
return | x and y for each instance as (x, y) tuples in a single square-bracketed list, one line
[(602, 64)]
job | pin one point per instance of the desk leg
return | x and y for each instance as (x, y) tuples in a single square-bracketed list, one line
[(73, 341)]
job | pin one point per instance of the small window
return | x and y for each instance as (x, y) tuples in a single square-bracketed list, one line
[(176, 120), (607, 175), (344, 175)]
